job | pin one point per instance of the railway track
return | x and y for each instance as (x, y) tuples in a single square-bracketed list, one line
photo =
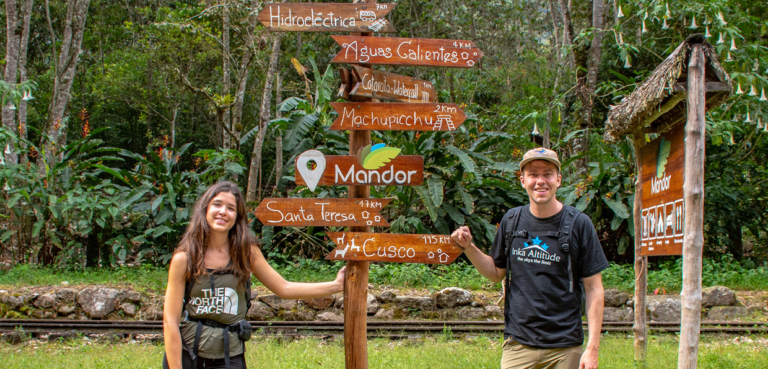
[(391, 329)]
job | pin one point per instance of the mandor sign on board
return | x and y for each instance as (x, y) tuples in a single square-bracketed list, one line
[(377, 165), (322, 212), (309, 17), (407, 51), (359, 116), (396, 248), (380, 85), (662, 162)]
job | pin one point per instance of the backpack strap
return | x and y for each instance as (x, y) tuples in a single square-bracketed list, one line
[(513, 220), (564, 238)]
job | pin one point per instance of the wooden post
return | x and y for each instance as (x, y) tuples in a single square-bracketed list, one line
[(356, 282), (641, 263), (693, 196)]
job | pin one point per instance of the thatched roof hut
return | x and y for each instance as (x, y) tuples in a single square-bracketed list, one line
[(659, 103)]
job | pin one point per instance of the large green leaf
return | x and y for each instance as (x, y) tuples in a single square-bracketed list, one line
[(298, 127), (466, 162), (454, 213), (617, 207), (469, 205), (37, 227), (133, 196), (435, 184), (424, 194)]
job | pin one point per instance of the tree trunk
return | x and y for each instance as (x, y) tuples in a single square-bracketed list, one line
[(226, 140), (23, 47), (66, 66), (254, 172), (14, 19), (279, 138), (245, 62), (693, 197), (640, 326)]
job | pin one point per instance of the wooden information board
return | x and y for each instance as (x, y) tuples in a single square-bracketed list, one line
[(328, 17), (398, 116), (376, 84), (407, 51), (396, 248), (662, 162), (322, 212)]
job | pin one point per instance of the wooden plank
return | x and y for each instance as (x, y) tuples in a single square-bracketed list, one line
[(322, 212), (640, 327), (329, 17), (398, 116), (662, 210), (397, 248), (693, 194), (390, 86), (407, 51), (711, 86), (340, 170)]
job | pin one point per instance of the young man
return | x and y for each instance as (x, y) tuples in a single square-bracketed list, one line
[(543, 261)]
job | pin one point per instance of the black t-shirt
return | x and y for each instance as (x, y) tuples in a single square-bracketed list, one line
[(540, 310)]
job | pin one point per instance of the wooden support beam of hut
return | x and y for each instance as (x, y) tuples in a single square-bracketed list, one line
[(693, 196), (640, 327), (711, 86)]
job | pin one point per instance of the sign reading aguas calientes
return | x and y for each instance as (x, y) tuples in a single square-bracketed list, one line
[(396, 248), (662, 162), (376, 165), (390, 86), (397, 116), (308, 17), (407, 51), (322, 212)]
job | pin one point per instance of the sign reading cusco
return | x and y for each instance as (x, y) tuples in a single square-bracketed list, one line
[(322, 212), (309, 17), (662, 162), (375, 165), (390, 86), (398, 116), (407, 51), (396, 248)]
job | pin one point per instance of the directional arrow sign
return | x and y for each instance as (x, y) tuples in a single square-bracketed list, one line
[(327, 17), (407, 51), (397, 116), (380, 85), (397, 248), (322, 212), (338, 170)]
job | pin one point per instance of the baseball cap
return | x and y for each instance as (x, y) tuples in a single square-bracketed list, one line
[(540, 154)]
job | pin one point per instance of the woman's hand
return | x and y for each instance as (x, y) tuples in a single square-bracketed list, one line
[(339, 281)]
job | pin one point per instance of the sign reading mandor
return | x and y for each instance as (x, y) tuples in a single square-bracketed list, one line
[(376, 166), (662, 162)]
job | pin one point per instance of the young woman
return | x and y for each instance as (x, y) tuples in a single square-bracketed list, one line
[(206, 300)]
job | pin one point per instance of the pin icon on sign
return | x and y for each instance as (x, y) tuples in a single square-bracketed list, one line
[(311, 176)]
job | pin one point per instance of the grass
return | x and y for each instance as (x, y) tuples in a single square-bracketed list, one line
[(725, 271), (434, 352)]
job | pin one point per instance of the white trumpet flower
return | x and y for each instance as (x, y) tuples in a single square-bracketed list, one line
[(752, 91), (621, 39), (620, 14), (762, 94), (707, 34), (765, 127), (27, 96), (720, 40), (12, 107), (644, 28), (732, 142), (759, 124), (668, 14), (748, 120), (739, 91), (627, 64), (693, 23), (733, 44), (665, 25), (729, 59), (7, 187), (8, 149), (721, 18)]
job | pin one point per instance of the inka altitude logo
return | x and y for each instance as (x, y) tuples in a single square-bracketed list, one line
[(373, 157), (535, 251), (660, 182)]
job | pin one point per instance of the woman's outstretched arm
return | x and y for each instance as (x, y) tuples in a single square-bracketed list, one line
[(292, 290), (174, 296)]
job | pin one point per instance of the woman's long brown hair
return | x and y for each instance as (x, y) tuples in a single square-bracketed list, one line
[(195, 240)]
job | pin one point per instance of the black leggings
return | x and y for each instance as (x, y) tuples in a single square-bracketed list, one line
[(235, 362)]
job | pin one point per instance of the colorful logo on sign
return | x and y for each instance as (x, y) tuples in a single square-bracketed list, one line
[(373, 157), (661, 161)]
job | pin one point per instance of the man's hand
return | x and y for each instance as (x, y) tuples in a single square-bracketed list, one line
[(588, 359), (463, 237)]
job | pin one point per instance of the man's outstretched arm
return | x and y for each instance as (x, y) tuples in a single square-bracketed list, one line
[(593, 287), (482, 262)]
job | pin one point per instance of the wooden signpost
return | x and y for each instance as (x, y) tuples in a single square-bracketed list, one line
[(407, 51), (322, 212), (398, 116), (339, 170), (328, 17), (662, 212), (376, 84), (396, 248)]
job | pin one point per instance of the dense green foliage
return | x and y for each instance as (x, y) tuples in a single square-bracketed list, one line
[(150, 93), (441, 351)]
